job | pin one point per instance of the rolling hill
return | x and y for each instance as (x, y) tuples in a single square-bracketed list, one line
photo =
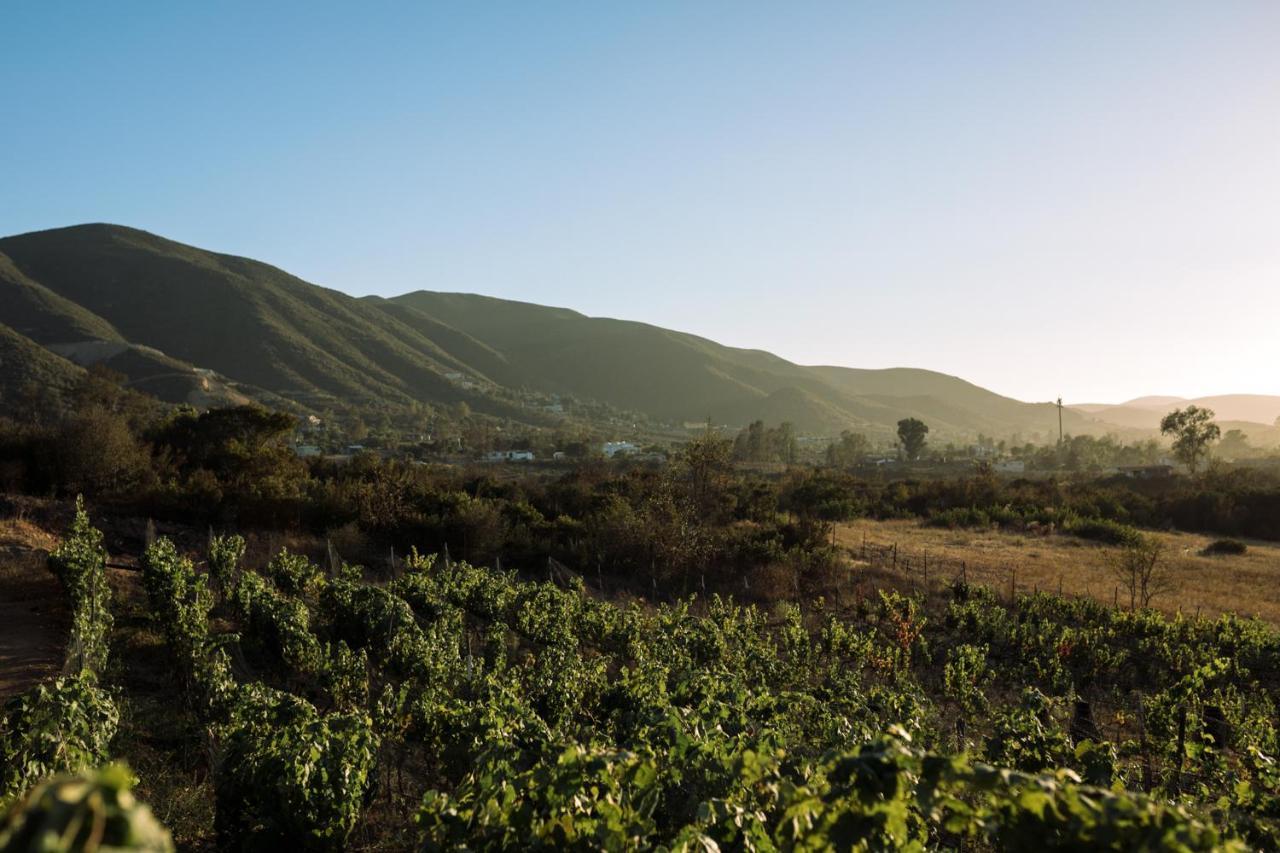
[(252, 323), (677, 376), (181, 322), (1232, 410), (24, 365), (1257, 408)]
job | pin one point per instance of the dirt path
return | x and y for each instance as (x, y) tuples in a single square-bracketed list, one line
[(33, 621)]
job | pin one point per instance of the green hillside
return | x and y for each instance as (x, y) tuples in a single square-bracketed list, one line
[(246, 320), (38, 313), (25, 365), (166, 314), (679, 376)]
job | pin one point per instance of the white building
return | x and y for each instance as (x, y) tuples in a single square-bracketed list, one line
[(619, 448), (509, 456)]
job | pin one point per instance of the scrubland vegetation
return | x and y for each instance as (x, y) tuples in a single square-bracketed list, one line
[(454, 706), (695, 655)]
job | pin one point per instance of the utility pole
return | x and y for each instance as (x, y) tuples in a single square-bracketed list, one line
[(1059, 420)]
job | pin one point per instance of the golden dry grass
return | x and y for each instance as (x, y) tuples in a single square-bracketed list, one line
[(1248, 584), (22, 533), (23, 549)]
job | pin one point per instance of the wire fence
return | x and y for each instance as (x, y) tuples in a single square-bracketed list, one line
[(1153, 759), (921, 569), (927, 572)]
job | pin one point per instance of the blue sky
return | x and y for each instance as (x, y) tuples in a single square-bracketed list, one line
[(1072, 198)]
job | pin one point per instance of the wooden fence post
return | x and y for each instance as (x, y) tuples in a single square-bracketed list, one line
[(1215, 726), (1146, 751), (332, 558), (1082, 725), (1182, 739)]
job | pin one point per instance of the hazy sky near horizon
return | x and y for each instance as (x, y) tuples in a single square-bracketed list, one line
[(1073, 198)]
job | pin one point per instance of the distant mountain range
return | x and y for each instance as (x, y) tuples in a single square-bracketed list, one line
[(1234, 411), (1260, 408), (185, 324)]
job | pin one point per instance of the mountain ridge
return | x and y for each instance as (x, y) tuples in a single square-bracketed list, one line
[(1146, 412), (264, 330)]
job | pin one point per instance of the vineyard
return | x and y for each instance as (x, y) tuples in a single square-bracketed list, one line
[(451, 706)]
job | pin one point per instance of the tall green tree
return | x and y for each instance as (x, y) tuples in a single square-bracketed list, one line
[(911, 435), (784, 442), (848, 451), (705, 464), (758, 443), (1193, 430), (245, 448), (1235, 445)]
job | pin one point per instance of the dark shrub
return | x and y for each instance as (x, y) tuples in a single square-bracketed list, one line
[(1102, 530), (1224, 547)]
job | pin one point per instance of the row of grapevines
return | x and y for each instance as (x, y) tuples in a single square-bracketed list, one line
[(284, 771), (536, 715), (66, 725), (695, 720), (80, 562)]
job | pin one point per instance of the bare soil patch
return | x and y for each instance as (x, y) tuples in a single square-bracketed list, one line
[(33, 620)]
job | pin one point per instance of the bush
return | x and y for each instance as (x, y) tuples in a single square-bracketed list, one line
[(225, 554), (293, 574), (290, 776), (1225, 547), (94, 811), (80, 563), (64, 726), (961, 516), (1102, 530)]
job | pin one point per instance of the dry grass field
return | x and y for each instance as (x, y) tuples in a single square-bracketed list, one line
[(1248, 584)]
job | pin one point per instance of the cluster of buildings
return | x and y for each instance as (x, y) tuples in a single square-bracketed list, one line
[(610, 450), (619, 448), (509, 456)]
